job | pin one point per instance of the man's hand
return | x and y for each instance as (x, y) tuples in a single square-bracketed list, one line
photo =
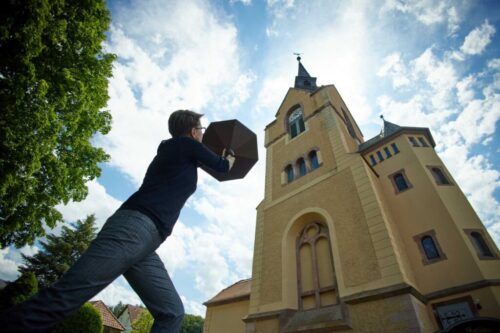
[(230, 158)]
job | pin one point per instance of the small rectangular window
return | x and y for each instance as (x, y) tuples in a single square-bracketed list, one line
[(380, 157), (423, 142), (413, 142), (372, 159), (387, 152), (394, 148)]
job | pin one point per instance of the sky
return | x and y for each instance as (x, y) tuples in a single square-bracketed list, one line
[(425, 63)]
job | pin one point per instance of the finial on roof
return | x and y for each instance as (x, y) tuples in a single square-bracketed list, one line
[(382, 117), (303, 80)]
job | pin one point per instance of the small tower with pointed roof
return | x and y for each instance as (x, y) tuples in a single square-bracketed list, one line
[(360, 236)]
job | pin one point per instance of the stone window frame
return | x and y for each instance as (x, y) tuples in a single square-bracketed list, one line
[(395, 148), (436, 178), (387, 152), (467, 299), (284, 174), (413, 141), (287, 122), (422, 141), (432, 234), (380, 156), (298, 163), (393, 182), (309, 159), (301, 240), (373, 160), (487, 242)]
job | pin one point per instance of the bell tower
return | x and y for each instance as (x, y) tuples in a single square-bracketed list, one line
[(359, 236), (344, 239)]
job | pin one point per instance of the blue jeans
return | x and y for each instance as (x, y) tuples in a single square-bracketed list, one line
[(125, 245)]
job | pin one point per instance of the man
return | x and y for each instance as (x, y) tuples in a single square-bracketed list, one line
[(128, 240)]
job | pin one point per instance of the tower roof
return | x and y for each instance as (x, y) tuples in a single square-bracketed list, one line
[(389, 130), (303, 80)]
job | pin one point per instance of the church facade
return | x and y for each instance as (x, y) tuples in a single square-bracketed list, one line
[(357, 236)]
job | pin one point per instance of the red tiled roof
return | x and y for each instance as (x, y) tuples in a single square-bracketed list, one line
[(238, 291), (108, 318), (134, 312)]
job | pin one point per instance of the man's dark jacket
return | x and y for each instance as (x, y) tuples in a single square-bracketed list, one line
[(171, 179)]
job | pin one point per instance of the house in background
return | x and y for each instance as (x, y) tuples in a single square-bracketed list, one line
[(359, 236), (109, 322), (128, 315)]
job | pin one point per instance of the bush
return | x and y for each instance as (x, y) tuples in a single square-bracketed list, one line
[(18, 291), (86, 320)]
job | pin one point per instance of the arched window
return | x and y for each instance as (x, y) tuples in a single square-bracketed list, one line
[(289, 173), (482, 247), (400, 181), (430, 249), (313, 158), (302, 166), (296, 122), (315, 272), (439, 176)]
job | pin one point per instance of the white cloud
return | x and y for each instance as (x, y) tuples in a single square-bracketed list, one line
[(97, 202), (428, 12), (394, 68), (10, 259), (193, 307), (193, 68), (118, 291), (477, 40)]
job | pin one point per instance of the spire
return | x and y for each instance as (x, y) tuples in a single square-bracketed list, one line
[(303, 80)]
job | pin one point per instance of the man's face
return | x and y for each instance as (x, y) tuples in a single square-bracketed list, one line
[(197, 133)]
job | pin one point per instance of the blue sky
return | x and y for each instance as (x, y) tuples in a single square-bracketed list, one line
[(423, 63)]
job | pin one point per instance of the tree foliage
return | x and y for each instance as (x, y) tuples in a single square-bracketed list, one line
[(86, 320), (59, 253), (18, 291), (143, 323), (190, 323), (117, 309), (53, 85)]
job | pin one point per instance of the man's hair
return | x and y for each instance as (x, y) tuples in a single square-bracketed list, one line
[(181, 122)]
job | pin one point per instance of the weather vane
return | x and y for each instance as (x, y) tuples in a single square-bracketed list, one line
[(298, 56)]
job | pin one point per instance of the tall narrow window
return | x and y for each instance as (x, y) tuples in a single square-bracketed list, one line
[(380, 157), (387, 152), (348, 123), (289, 173), (394, 148), (302, 166), (482, 247), (315, 272), (423, 142), (400, 181), (313, 158), (296, 122), (373, 160), (413, 142), (439, 176), (430, 249)]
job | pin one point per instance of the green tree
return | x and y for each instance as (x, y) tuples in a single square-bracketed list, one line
[(86, 320), (53, 88), (18, 291), (58, 253), (143, 323), (192, 324), (117, 309)]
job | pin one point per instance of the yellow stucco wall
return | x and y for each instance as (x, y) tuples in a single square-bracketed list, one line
[(226, 318)]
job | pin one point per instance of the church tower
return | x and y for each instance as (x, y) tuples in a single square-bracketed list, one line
[(371, 236)]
